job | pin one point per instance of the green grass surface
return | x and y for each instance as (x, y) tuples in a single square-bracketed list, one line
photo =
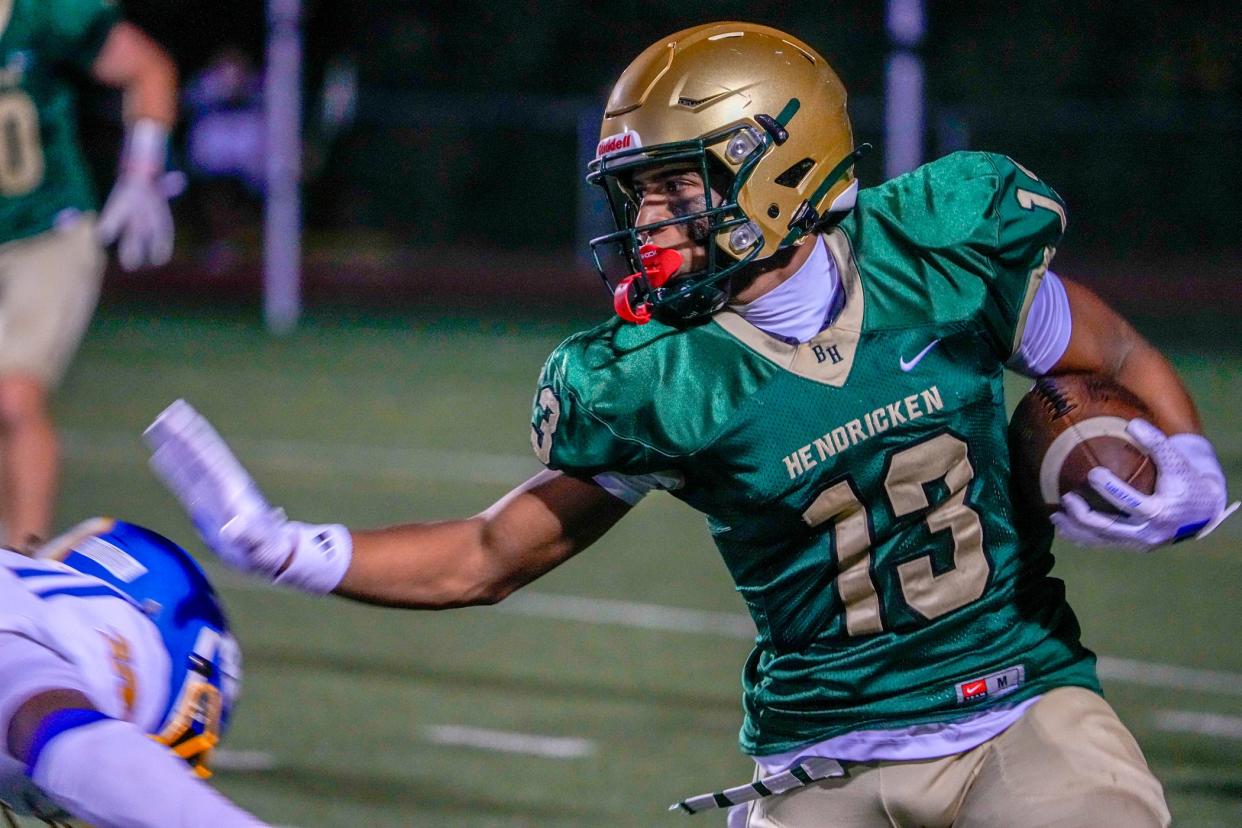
[(376, 421)]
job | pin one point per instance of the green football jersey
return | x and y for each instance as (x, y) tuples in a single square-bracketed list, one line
[(42, 172), (857, 485)]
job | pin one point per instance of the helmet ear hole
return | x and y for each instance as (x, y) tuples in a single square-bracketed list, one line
[(793, 176)]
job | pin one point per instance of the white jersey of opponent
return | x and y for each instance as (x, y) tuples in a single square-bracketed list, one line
[(102, 645)]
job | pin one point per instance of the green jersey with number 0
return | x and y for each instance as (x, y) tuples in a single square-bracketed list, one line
[(857, 485), (43, 43)]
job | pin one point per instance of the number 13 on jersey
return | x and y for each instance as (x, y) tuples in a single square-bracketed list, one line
[(943, 457)]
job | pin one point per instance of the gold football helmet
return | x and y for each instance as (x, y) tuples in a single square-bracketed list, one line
[(761, 116)]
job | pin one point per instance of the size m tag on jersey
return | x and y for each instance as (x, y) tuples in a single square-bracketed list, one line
[(991, 686)]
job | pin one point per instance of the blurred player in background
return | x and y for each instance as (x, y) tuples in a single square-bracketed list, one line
[(51, 256), (225, 138), (817, 369), (117, 677)]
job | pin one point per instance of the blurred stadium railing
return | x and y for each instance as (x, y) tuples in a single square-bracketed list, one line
[(431, 191)]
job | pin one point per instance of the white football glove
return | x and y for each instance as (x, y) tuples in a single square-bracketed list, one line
[(231, 514), (1188, 501), (136, 212)]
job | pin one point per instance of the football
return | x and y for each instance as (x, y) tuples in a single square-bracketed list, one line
[(1067, 425)]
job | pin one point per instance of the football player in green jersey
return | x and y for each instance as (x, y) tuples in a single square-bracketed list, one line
[(817, 369), (51, 254)]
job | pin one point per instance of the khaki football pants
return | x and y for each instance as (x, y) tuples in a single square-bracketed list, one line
[(1069, 762), (49, 285)]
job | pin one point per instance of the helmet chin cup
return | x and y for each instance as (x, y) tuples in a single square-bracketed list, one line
[(623, 300)]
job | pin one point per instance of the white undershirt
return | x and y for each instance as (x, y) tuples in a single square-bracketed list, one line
[(804, 304), (927, 741), (798, 308), (1047, 331)]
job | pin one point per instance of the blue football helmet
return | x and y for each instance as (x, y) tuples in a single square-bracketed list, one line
[(168, 586)]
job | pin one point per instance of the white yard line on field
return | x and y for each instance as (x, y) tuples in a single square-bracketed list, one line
[(1202, 724), (504, 741), (629, 614), (735, 625), (311, 457), (1170, 676), (242, 761)]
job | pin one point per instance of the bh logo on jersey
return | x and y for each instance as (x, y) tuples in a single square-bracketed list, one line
[(991, 686), (823, 354)]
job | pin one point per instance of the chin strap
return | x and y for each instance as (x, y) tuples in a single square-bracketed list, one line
[(629, 299)]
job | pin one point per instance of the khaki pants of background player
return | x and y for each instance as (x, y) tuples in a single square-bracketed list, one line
[(1069, 762), (49, 285)]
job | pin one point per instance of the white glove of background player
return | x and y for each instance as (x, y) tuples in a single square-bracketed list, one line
[(136, 212), (1189, 499), (231, 514)]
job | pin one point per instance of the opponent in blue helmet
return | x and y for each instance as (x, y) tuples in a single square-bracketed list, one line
[(115, 659), (170, 588)]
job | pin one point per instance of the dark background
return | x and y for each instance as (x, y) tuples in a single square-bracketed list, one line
[(467, 129)]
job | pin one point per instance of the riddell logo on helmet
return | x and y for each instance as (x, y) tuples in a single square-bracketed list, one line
[(615, 143)]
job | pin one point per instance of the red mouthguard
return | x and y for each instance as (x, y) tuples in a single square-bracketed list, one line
[(659, 265)]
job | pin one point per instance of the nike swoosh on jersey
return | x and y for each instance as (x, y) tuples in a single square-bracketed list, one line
[(907, 366)]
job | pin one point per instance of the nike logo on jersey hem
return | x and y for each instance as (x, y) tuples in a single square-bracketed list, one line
[(908, 366)]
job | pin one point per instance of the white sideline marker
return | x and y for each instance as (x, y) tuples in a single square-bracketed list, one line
[(242, 761), (503, 741), (738, 626), (1202, 724), (1169, 676), (629, 614)]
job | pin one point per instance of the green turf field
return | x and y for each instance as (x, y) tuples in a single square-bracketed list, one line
[(600, 712)]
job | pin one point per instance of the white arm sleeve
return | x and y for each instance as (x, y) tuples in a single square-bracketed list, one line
[(1047, 331), (634, 487), (110, 774)]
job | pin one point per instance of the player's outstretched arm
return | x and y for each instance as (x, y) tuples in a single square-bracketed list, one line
[(102, 770), (480, 560), (476, 560), (136, 213), (1190, 498)]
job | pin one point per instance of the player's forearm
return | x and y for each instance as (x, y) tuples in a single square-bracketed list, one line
[(425, 566), (1103, 341), (147, 77), (480, 560), (1146, 372), (153, 96)]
